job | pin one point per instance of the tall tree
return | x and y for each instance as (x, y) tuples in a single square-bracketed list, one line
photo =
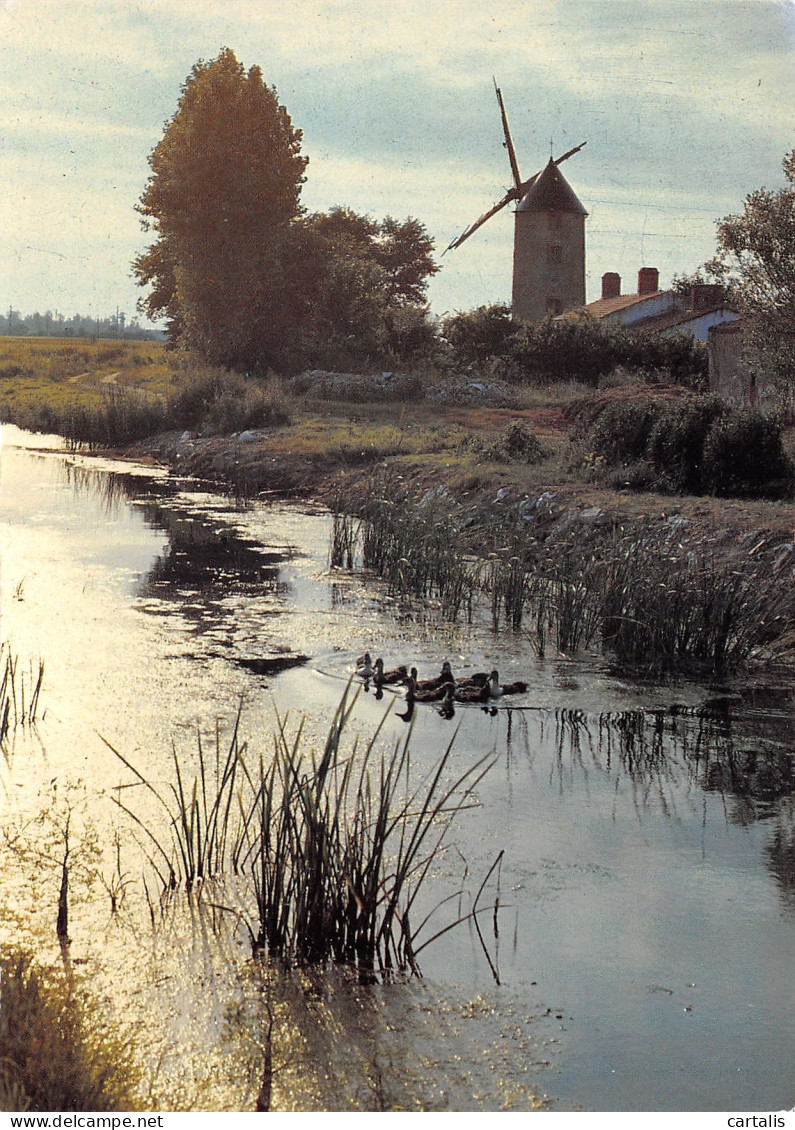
[(222, 198), (756, 259)]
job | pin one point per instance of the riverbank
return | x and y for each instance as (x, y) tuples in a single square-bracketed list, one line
[(305, 461)]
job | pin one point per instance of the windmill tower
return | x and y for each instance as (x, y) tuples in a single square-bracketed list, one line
[(549, 237)]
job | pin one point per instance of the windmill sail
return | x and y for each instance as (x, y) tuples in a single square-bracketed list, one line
[(520, 187), (517, 180)]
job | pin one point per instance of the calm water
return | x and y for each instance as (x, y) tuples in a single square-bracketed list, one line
[(646, 932)]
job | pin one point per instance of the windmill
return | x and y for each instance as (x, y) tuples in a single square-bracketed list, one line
[(549, 236)]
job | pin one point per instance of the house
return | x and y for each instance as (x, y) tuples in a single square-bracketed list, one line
[(662, 312)]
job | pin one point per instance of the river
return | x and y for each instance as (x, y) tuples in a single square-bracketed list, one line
[(644, 945)]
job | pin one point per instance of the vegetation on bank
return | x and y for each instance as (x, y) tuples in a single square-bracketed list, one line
[(633, 589), (57, 1053)]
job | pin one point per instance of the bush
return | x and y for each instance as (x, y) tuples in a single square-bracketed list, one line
[(676, 443), (518, 443), (587, 350), (620, 433), (477, 336), (226, 402), (744, 458), (697, 445)]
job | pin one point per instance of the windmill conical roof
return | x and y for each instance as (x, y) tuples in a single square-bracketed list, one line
[(550, 192)]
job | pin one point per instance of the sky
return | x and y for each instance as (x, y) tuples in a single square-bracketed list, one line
[(686, 106)]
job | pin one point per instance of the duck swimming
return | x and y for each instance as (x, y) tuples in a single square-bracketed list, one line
[(472, 693), (426, 694), (444, 676), (365, 669), (497, 689), (384, 678)]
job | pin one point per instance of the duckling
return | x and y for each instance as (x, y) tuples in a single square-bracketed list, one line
[(444, 676), (365, 670), (517, 687), (384, 678), (425, 694), (447, 705)]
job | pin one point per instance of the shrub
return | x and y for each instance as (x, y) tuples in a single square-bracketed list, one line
[(676, 443), (477, 336), (587, 350), (226, 402), (744, 457), (518, 443), (621, 431)]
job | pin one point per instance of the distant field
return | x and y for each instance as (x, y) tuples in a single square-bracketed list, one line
[(78, 372)]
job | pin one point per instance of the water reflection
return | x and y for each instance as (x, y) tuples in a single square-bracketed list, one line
[(648, 830)]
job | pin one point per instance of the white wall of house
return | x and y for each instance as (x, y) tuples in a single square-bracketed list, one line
[(650, 306), (700, 324)]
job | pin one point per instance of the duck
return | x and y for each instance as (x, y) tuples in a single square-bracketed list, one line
[(426, 694), (473, 693), (384, 678), (447, 704), (498, 689), (365, 669), (444, 676), (477, 679)]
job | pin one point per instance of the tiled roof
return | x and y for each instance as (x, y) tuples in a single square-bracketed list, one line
[(659, 322), (602, 307)]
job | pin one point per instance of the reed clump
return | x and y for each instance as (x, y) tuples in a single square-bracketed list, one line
[(418, 547), (336, 844), (19, 696)]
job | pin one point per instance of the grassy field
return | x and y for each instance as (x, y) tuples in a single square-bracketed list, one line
[(61, 372)]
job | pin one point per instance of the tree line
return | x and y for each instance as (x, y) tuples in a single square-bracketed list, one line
[(15, 324)]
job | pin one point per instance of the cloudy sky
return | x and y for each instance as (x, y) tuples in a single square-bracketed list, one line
[(686, 106)]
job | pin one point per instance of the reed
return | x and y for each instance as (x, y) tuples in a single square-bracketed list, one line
[(418, 548), (337, 845), (19, 696), (199, 813), (57, 1053), (631, 590)]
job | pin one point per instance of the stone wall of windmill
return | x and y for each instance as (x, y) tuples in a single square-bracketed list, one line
[(549, 249)]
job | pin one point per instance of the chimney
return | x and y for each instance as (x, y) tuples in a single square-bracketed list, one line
[(611, 285), (648, 280)]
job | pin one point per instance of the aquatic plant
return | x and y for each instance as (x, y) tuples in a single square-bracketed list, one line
[(198, 812), (56, 1051), (417, 547), (19, 700), (632, 590), (337, 845)]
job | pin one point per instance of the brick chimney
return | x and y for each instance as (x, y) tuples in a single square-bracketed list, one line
[(648, 280), (611, 285)]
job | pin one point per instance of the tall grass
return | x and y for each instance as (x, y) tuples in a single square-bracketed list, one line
[(630, 590), (415, 546), (56, 1052), (336, 844)]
